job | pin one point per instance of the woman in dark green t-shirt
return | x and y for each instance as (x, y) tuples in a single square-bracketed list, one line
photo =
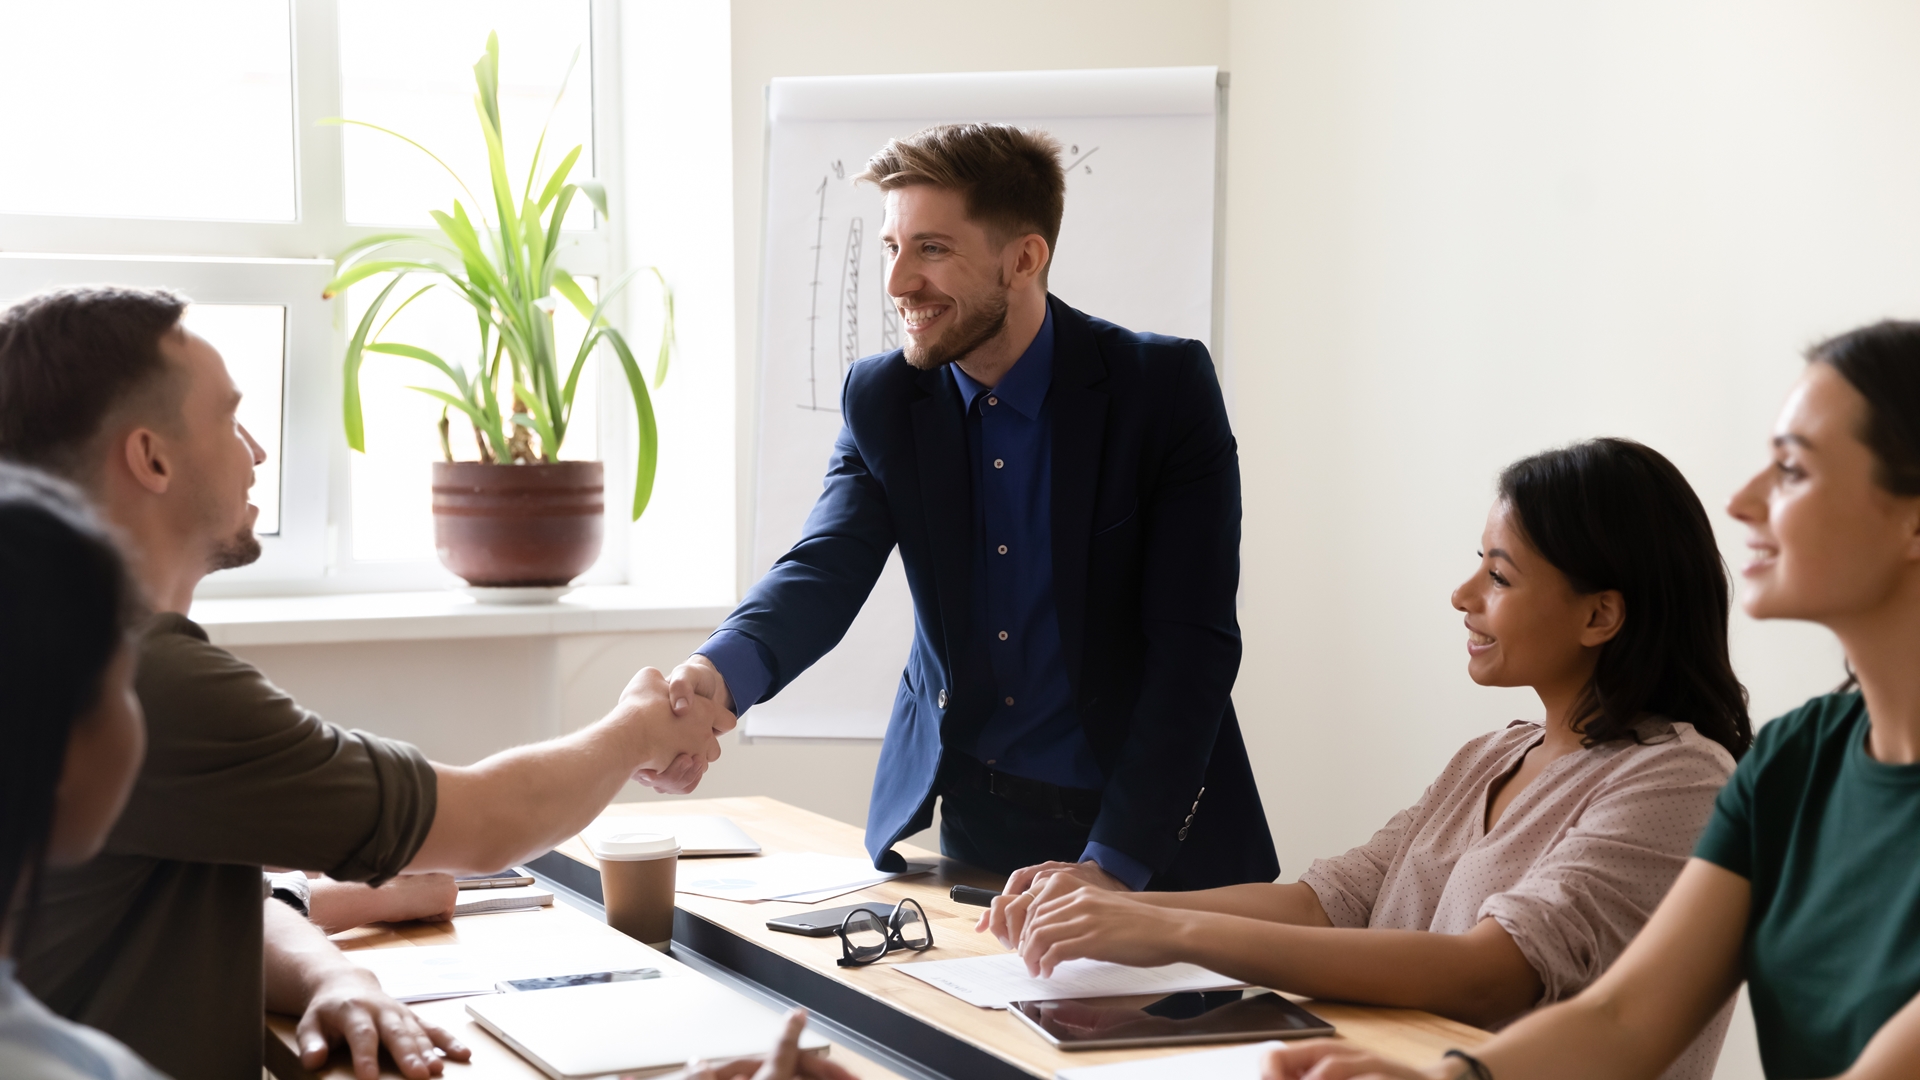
[(1806, 884)]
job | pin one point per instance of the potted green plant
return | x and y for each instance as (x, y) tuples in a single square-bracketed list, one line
[(519, 516)]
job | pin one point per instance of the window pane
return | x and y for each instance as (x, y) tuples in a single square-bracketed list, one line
[(392, 481), (134, 109), (407, 65), (252, 338)]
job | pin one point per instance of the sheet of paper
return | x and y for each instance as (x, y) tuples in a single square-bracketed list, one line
[(990, 982), (802, 878), (699, 834), (1232, 1063), (431, 972)]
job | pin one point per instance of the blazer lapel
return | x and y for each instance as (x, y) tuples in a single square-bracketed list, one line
[(1079, 425), (940, 449)]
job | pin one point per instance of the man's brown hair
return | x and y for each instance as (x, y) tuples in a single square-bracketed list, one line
[(1010, 177), (72, 358)]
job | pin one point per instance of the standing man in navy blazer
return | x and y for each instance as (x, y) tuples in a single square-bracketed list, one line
[(1066, 499)]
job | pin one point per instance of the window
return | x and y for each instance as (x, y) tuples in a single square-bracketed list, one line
[(182, 146)]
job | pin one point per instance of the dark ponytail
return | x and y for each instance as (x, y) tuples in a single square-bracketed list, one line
[(66, 604), (1614, 514)]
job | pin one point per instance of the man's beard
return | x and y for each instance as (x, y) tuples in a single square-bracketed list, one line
[(235, 551), (979, 328)]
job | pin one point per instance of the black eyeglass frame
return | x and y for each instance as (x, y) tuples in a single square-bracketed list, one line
[(895, 939)]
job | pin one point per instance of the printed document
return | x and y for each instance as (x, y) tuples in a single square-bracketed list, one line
[(798, 877), (990, 982), (1233, 1063)]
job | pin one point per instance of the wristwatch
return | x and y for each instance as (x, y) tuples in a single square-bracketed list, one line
[(291, 889)]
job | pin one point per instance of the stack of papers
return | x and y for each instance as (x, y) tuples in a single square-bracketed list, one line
[(991, 982), (508, 898), (432, 972), (1233, 1063), (797, 878)]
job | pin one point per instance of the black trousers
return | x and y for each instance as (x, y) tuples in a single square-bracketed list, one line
[(984, 830)]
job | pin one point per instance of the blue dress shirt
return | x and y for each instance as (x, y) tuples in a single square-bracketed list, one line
[(1034, 731)]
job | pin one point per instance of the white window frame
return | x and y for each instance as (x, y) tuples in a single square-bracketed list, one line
[(286, 263)]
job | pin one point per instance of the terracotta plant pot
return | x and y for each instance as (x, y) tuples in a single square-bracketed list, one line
[(518, 525)]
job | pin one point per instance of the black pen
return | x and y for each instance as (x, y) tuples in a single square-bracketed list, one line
[(967, 894)]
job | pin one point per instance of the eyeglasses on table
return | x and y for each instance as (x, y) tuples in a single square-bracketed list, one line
[(866, 937)]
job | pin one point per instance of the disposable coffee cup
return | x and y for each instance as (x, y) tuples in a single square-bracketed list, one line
[(636, 881)]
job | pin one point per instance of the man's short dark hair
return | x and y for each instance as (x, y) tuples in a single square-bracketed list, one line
[(71, 359), (1010, 177)]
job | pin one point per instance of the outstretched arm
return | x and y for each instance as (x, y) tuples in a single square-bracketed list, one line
[(1480, 977), (1633, 1022), (523, 802)]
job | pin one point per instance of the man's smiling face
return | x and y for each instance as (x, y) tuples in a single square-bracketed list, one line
[(945, 274)]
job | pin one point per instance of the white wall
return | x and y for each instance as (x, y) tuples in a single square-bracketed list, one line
[(1460, 233)]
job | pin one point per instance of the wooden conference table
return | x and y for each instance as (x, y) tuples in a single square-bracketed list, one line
[(892, 1017)]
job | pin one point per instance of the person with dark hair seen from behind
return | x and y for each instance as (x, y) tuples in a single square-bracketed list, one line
[(1806, 884), (164, 941), (1541, 849), (71, 740), (1065, 497)]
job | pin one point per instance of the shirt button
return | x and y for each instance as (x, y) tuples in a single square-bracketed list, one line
[(1003, 635), (1003, 549), (993, 401), (998, 464), (1009, 701)]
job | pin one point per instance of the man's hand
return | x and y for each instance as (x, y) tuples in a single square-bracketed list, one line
[(307, 976), (698, 678), (350, 1005), (340, 905), (668, 735), (677, 779), (786, 1062), (1037, 884), (1098, 925)]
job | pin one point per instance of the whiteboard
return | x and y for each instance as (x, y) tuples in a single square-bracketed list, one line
[(1137, 247)]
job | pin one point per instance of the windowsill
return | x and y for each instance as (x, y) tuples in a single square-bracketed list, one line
[(442, 614)]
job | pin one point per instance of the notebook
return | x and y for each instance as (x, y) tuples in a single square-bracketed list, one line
[(699, 834), (632, 1027)]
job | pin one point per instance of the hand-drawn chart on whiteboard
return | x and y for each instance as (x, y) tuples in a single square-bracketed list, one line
[(1137, 247)]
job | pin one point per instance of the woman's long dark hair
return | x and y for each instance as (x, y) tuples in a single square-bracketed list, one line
[(1613, 514), (66, 603)]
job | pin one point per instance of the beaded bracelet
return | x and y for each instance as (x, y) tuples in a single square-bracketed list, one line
[(1474, 1068)]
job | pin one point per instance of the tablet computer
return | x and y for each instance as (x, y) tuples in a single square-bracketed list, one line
[(1208, 1017)]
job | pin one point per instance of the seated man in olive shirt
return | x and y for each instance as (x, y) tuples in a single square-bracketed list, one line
[(158, 941)]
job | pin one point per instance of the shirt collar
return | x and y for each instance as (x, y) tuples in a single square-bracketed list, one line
[(1024, 387)]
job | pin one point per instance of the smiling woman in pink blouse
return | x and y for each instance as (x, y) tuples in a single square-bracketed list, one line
[(1542, 848)]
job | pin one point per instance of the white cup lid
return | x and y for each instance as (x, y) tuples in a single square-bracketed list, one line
[(632, 844)]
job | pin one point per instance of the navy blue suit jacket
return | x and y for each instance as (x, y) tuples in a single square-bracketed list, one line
[(1146, 562)]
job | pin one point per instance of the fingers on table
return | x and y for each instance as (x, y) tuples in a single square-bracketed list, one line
[(786, 1049)]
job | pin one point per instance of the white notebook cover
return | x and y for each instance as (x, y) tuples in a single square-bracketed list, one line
[(699, 834), (631, 1027)]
